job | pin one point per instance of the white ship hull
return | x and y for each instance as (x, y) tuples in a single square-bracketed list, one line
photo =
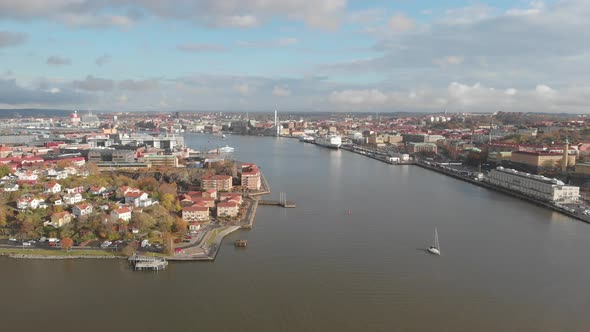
[(330, 141)]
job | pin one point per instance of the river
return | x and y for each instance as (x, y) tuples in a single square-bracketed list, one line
[(506, 265)]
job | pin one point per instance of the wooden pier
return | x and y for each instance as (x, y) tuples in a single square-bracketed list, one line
[(141, 263)]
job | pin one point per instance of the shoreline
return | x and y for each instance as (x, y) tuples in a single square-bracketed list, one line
[(482, 184)]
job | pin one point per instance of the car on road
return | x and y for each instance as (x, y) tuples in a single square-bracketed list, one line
[(26, 244)]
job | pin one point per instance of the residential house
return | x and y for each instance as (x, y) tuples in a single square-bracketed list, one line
[(193, 227), (28, 202), (72, 199), (95, 190), (123, 213), (138, 199), (195, 213), (207, 202), (210, 193), (231, 197), (81, 210), (59, 219), (74, 190), (27, 176), (11, 187), (227, 209), (51, 187)]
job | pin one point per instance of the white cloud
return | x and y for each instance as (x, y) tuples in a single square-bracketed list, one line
[(358, 97), (281, 91), (450, 60), (91, 83), (238, 21), (201, 47), (544, 90), (401, 23), (243, 89), (214, 13), (511, 92), (280, 42)]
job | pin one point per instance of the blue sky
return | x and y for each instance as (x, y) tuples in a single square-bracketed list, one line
[(332, 55)]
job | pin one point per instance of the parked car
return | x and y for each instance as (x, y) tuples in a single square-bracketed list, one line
[(12, 239), (26, 244)]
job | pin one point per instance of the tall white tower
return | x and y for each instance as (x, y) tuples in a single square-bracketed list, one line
[(277, 124)]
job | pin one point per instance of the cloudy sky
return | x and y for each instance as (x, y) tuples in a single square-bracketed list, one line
[(329, 55)]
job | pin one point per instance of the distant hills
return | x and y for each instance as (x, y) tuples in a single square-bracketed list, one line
[(33, 112)]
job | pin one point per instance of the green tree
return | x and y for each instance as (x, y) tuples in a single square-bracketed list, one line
[(3, 216), (167, 201), (4, 170)]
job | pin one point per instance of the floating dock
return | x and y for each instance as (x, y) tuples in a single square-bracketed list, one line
[(141, 263), (241, 243)]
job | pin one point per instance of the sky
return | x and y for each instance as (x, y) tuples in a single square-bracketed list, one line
[(296, 55)]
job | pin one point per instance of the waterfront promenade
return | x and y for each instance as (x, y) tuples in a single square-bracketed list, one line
[(377, 155)]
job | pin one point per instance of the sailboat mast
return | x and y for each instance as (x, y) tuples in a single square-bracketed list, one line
[(436, 244)]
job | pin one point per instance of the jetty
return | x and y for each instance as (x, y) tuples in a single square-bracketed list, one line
[(282, 202), (141, 263)]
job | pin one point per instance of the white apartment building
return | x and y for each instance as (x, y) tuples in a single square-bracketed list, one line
[(536, 186)]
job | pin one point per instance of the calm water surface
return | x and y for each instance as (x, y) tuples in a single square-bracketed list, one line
[(506, 265)]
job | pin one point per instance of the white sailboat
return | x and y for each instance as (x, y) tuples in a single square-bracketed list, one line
[(436, 248)]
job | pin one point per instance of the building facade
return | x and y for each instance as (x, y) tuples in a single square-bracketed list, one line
[(217, 182), (537, 186)]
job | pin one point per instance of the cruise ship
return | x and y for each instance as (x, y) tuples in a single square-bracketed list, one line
[(329, 141)]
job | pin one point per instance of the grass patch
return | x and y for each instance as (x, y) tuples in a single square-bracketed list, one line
[(44, 252)]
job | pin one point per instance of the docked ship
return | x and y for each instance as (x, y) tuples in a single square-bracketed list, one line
[(306, 139), (329, 141), (226, 149)]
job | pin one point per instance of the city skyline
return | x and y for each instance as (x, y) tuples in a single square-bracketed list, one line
[(296, 55)]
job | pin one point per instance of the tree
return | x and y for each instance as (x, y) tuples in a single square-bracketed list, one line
[(167, 188), (3, 216), (130, 249), (180, 225), (167, 201), (67, 243), (4, 170), (168, 243)]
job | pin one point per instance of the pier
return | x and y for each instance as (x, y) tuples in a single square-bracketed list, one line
[(282, 202), (141, 263)]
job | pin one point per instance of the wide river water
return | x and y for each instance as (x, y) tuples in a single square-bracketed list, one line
[(506, 265)]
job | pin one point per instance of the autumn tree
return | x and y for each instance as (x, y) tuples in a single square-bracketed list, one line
[(168, 202), (167, 188), (4, 170), (3, 216), (168, 243), (180, 226), (67, 243), (130, 249)]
